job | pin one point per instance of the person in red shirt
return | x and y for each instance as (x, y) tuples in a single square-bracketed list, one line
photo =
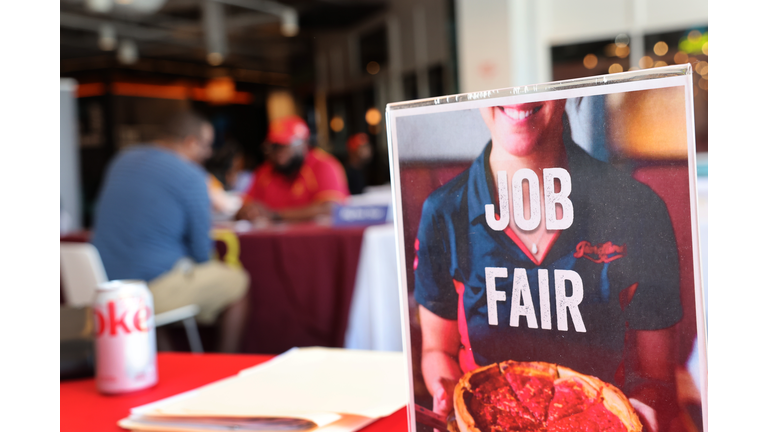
[(296, 182)]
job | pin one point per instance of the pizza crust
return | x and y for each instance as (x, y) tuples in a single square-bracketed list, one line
[(463, 389), (610, 396)]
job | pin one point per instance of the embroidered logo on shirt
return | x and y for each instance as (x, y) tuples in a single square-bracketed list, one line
[(601, 253)]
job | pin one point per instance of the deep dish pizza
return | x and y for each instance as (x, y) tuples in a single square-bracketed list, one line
[(538, 396)]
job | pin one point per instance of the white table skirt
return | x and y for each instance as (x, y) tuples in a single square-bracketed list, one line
[(374, 316)]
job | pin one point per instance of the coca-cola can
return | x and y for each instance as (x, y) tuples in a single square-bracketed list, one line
[(126, 347)]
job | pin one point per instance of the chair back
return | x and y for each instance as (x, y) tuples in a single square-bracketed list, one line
[(81, 271)]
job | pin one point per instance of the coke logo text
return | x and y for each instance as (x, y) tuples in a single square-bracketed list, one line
[(126, 321)]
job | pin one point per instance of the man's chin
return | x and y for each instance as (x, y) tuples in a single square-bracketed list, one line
[(291, 169)]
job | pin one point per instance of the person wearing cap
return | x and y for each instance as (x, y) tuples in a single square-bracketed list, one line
[(359, 155), (296, 182)]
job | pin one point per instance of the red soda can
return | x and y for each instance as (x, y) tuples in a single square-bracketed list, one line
[(126, 347)]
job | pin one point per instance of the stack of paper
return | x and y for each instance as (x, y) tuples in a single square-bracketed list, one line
[(318, 389)]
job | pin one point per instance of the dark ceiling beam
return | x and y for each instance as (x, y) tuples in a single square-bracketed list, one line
[(150, 35), (137, 32), (192, 70)]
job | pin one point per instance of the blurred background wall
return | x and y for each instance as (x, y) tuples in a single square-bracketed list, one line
[(338, 63)]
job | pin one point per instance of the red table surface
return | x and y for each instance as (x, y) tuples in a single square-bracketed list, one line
[(83, 409)]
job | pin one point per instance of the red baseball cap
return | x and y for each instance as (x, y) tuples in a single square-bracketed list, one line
[(288, 131), (356, 141)]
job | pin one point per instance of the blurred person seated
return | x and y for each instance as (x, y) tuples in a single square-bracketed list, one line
[(239, 177), (359, 156), (153, 222), (223, 204), (296, 183), (228, 165)]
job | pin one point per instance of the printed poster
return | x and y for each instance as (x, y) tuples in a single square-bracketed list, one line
[(549, 258)]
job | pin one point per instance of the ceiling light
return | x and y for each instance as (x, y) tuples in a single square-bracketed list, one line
[(289, 23), (373, 68), (107, 37), (99, 6), (127, 52), (622, 40), (215, 59), (220, 90)]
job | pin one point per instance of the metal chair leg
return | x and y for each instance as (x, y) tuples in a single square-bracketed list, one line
[(195, 344)]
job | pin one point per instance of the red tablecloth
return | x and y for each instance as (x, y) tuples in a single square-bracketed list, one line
[(302, 280), (83, 409)]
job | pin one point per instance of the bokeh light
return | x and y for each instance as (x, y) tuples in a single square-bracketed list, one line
[(215, 59), (373, 68), (646, 62), (337, 124), (660, 63), (615, 68), (694, 36), (373, 116), (661, 48), (622, 51), (700, 66), (590, 61), (681, 57)]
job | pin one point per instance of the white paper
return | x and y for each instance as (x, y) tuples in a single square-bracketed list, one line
[(317, 384)]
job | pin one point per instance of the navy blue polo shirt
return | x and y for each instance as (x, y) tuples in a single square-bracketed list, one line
[(621, 236)]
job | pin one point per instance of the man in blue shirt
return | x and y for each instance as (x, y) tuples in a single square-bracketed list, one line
[(153, 221)]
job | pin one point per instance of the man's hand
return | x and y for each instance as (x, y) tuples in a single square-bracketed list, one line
[(252, 210), (442, 400), (647, 415)]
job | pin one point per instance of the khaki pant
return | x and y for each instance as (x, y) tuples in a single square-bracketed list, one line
[(211, 285)]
